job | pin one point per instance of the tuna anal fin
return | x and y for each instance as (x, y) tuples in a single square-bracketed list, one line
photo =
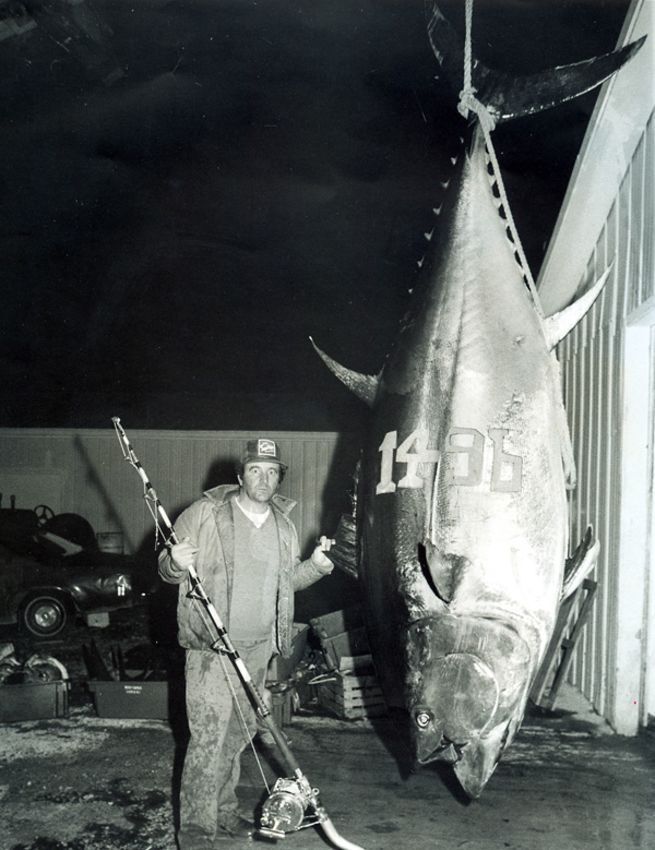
[(365, 387), (557, 326)]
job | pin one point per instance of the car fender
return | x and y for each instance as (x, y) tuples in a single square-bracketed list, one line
[(63, 593)]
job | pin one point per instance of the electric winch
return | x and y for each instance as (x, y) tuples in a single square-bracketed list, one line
[(284, 810)]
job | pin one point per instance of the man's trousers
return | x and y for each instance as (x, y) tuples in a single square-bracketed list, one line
[(212, 763)]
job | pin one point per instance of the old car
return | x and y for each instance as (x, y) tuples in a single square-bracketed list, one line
[(52, 571)]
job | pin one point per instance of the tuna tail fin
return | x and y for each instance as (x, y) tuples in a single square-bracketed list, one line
[(508, 97), (557, 326), (364, 386)]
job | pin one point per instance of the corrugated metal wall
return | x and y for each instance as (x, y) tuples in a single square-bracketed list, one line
[(82, 471), (592, 364)]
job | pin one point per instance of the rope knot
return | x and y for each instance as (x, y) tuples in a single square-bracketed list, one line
[(468, 102)]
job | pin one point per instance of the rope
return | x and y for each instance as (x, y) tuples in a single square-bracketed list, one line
[(468, 102), (242, 721)]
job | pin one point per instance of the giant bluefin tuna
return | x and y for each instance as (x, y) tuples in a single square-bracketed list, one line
[(462, 517)]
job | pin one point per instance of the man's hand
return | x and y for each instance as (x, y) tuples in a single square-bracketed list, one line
[(319, 558), (183, 554)]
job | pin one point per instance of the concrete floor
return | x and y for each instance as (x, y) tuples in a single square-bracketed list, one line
[(566, 782), (91, 783)]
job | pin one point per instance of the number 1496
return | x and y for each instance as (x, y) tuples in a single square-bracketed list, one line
[(470, 449)]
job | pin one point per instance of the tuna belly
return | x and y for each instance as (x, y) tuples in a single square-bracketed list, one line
[(467, 680)]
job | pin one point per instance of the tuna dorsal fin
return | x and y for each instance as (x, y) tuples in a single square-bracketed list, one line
[(364, 386), (508, 97), (559, 324)]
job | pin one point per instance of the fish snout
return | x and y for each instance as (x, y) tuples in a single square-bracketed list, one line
[(459, 697), (467, 675)]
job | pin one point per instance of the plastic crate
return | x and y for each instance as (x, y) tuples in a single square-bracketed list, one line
[(341, 633), (34, 700), (146, 700)]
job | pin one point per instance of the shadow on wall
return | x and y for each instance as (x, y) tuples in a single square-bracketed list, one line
[(95, 479), (221, 471)]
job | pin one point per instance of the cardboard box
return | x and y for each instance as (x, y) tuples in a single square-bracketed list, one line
[(34, 700), (146, 700)]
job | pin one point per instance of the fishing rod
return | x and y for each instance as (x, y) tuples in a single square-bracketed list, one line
[(292, 804)]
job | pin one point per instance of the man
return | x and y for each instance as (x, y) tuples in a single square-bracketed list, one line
[(245, 548)]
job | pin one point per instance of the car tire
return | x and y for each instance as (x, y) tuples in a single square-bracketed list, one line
[(44, 615)]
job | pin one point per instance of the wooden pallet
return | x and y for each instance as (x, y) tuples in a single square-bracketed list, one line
[(352, 696)]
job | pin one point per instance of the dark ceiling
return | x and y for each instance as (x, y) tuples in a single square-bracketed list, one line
[(190, 189)]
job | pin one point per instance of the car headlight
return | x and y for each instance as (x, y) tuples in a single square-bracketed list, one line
[(123, 585)]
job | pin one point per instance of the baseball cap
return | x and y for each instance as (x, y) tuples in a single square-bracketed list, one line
[(262, 449)]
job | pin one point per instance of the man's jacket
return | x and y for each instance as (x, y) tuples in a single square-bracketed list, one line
[(209, 525)]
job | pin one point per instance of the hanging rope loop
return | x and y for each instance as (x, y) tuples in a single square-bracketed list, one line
[(468, 102)]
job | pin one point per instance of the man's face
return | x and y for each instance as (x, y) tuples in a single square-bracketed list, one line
[(260, 480)]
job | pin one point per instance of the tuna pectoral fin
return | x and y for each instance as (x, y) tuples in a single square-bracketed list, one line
[(479, 760), (557, 326), (365, 387)]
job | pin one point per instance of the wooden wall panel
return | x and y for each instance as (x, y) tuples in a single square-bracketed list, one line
[(592, 364), (98, 484)]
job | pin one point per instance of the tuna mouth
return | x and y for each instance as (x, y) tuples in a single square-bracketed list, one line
[(445, 752)]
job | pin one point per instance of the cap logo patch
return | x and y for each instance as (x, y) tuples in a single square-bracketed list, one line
[(266, 448)]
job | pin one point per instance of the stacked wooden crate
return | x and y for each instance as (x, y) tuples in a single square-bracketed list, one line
[(353, 694), (350, 690)]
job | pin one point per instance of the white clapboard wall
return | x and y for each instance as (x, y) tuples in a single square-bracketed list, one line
[(608, 368), (82, 471)]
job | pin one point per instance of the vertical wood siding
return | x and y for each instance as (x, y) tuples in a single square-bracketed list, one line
[(99, 485), (591, 358)]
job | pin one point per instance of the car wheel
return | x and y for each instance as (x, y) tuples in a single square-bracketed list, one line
[(44, 615)]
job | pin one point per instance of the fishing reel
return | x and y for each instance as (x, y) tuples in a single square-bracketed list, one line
[(284, 809)]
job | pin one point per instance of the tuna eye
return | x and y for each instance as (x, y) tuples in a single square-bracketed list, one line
[(422, 719)]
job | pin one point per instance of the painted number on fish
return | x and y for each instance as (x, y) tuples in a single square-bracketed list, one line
[(468, 445), (411, 451)]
